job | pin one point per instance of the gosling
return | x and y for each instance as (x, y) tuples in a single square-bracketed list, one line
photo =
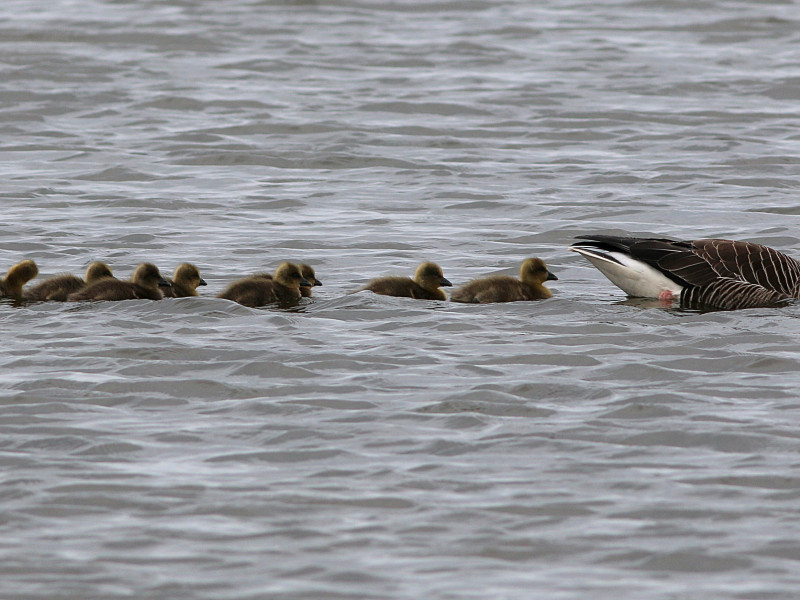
[(308, 274), (428, 278), (184, 282), (17, 276), (502, 288), (262, 288), (58, 288), (145, 284), (311, 277)]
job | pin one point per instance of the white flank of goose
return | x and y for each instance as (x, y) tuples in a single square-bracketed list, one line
[(710, 273)]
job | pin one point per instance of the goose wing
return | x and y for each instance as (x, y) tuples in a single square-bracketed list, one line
[(731, 294), (752, 263), (702, 262)]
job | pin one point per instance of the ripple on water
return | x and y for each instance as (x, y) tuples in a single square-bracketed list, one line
[(356, 445)]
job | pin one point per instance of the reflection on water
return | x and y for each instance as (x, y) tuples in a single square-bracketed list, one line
[(648, 303), (675, 306)]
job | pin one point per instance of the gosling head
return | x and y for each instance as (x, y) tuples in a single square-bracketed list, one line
[(308, 273), (429, 276), (21, 273), (533, 270), (187, 275), (96, 271), (147, 275), (289, 275)]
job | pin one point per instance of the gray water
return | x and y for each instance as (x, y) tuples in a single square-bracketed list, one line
[(360, 446)]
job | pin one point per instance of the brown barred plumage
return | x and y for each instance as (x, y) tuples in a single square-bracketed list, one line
[(713, 273), (730, 294)]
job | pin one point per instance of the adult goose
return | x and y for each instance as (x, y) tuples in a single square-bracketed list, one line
[(711, 273)]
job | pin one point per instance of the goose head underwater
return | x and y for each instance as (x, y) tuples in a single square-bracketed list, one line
[(703, 273)]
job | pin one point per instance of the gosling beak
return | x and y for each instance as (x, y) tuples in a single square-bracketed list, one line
[(445, 283), (164, 283), (551, 277), (305, 282), (317, 282), (202, 282)]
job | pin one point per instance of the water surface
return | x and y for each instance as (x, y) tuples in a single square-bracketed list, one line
[(360, 446)]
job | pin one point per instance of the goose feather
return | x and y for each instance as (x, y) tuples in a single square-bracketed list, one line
[(713, 273)]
